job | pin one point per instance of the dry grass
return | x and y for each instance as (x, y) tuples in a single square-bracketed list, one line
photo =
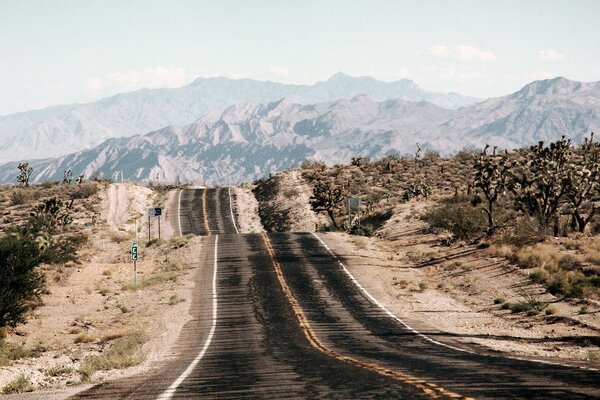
[(537, 256), (9, 353), (84, 338), (501, 250), (119, 237), (21, 384), (125, 352)]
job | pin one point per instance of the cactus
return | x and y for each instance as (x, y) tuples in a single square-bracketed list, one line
[(490, 178)]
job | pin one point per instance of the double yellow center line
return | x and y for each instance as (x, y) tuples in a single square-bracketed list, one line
[(430, 389)]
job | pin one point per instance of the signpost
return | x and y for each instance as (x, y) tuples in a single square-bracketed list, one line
[(134, 258), (352, 204), (153, 212)]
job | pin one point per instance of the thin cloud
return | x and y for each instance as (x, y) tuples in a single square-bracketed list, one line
[(550, 55), (279, 71), (462, 53), (154, 77)]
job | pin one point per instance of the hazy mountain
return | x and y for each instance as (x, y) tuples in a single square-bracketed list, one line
[(65, 129), (542, 110), (246, 141)]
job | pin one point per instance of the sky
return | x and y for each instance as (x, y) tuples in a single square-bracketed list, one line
[(59, 52)]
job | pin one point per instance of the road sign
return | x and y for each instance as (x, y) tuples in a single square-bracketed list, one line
[(352, 202), (154, 212), (134, 251)]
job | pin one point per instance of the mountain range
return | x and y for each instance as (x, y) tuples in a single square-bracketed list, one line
[(247, 141), (65, 129)]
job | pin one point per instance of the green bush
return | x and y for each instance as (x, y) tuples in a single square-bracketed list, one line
[(538, 276), (20, 282), (361, 230), (462, 220)]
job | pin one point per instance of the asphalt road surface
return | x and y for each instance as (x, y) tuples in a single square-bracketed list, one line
[(277, 316)]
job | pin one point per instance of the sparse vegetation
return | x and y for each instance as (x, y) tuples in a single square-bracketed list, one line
[(20, 385), (124, 352)]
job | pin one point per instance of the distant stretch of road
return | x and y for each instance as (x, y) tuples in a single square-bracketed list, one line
[(278, 316)]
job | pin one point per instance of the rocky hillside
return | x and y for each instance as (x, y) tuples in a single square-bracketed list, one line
[(66, 129), (247, 141)]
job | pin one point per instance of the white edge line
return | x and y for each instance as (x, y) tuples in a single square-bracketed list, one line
[(393, 316), (170, 391), (179, 211), (231, 209)]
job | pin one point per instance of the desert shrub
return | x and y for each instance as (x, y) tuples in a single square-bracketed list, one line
[(361, 230), (119, 237), (538, 276), (19, 385), (178, 242), (551, 310), (59, 371), (501, 250), (530, 306), (125, 352), (84, 190), (20, 281), (537, 256), (569, 263), (526, 231), (463, 221), (10, 352), (20, 197)]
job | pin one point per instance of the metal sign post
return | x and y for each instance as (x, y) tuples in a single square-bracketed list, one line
[(353, 203), (134, 258), (153, 212), (158, 213)]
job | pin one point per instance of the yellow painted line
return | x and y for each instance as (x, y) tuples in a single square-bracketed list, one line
[(208, 232), (429, 389)]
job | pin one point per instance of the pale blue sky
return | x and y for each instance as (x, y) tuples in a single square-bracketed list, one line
[(55, 52)]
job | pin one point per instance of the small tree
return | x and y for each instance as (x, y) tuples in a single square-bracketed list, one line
[(24, 174), (20, 283), (490, 178), (327, 197)]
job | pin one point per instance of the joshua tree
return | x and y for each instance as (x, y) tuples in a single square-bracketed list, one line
[(583, 185), (490, 178), (327, 197), (541, 180), (24, 174), (67, 177)]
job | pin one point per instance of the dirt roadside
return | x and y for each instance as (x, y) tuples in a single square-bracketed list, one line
[(95, 304)]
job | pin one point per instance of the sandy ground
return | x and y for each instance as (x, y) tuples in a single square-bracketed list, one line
[(93, 297), (246, 210), (452, 290)]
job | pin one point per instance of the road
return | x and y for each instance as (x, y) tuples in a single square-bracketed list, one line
[(277, 316)]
